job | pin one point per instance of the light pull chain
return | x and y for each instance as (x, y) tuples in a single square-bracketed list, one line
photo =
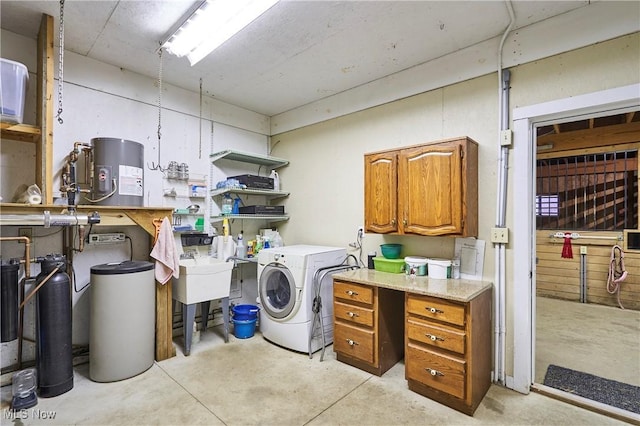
[(153, 165), (61, 62)]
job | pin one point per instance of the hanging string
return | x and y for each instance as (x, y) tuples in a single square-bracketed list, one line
[(200, 122), (61, 62)]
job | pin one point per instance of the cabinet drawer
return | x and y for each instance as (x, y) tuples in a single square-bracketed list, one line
[(354, 314), (354, 341), (431, 307), (441, 372), (353, 292), (436, 335)]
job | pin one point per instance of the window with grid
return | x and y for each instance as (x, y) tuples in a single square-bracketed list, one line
[(595, 192)]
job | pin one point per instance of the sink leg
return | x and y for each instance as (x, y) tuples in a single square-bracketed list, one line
[(204, 310), (225, 318), (188, 317)]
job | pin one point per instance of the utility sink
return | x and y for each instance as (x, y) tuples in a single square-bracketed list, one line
[(202, 279)]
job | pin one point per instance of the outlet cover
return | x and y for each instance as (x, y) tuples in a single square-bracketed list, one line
[(500, 235), (25, 232)]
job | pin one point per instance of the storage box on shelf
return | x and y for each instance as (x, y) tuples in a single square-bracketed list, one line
[(13, 89), (42, 132)]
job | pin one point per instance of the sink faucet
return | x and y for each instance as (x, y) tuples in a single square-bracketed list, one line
[(190, 254)]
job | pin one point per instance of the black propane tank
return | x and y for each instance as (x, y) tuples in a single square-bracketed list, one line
[(54, 357), (9, 300)]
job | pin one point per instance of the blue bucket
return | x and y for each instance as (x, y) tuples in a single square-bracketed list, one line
[(243, 329), (245, 312)]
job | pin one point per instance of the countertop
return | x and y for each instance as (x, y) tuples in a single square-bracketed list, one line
[(457, 290)]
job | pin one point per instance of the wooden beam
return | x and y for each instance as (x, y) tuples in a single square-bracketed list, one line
[(556, 128), (20, 132), (587, 138), (44, 149), (630, 116)]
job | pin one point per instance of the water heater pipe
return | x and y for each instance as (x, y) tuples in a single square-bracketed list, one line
[(500, 249), (47, 219)]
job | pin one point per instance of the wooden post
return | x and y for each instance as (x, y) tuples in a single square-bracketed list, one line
[(44, 149)]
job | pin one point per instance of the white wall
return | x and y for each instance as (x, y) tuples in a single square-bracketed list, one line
[(101, 100), (325, 176)]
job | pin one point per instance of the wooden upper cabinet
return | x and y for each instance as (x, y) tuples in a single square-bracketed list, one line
[(436, 186), (380, 192)]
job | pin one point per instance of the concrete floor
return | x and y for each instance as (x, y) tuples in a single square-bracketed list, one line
[(251, 381), (595, 339)]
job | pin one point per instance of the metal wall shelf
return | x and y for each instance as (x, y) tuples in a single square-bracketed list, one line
[(245, 157), (250, 191), (271, 218)]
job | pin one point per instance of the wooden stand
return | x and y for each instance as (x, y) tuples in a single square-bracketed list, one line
[(124, 216)]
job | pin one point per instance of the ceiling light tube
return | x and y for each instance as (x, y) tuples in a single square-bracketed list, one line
[(213, 23)]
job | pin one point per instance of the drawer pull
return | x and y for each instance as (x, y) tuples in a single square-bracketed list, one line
[(351, 293), (434, 338), (434, 310), (351, 342), (352, 314), (434, 372)]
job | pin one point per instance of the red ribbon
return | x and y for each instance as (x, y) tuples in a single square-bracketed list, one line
[(567, 252)]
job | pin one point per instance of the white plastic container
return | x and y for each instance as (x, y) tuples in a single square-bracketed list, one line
[(13, 88), (415, 265), (438, 268)]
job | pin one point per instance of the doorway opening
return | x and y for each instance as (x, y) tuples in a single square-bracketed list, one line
[(586, 180), (526, 122)]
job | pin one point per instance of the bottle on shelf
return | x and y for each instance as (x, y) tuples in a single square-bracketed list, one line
[(227, 204), (276, 180), (241, 249), (277, 240)]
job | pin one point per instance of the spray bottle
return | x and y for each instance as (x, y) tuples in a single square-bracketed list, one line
[(276, 180), (241, 249)]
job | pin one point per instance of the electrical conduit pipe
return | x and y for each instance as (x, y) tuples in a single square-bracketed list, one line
[(500, 249)]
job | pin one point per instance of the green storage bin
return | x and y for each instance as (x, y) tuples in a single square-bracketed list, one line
[(394, 266)]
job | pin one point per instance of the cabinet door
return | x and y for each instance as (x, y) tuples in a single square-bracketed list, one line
[(380, 194), (430, 189)]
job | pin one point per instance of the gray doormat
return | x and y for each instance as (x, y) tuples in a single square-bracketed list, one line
[(610, 392)]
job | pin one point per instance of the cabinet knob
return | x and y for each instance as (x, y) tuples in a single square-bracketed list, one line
[(393, 222), (434, 372), (352, 314), (434, 310), (351, 342), (434, 337), (404, 222), (351, 293)]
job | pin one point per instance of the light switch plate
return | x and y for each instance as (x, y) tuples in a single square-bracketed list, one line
[(506, 137), (500, 235)]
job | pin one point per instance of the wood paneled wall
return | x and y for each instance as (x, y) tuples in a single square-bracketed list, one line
[(559, 278)]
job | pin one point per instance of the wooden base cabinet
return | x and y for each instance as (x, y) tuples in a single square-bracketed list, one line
[(448, 349), (368, 326)]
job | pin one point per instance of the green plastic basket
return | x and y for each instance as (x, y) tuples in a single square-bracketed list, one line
[(394, 266)]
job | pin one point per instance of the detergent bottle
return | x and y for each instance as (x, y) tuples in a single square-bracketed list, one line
[(276, 180)]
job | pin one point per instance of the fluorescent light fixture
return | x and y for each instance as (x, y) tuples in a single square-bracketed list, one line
[(213, 23)]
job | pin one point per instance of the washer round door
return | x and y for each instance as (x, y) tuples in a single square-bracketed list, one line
[(277, 291)]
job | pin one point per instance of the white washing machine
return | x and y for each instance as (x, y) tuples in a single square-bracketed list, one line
[(286, 294)]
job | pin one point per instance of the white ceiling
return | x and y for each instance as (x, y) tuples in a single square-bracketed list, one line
[(296, 53)]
